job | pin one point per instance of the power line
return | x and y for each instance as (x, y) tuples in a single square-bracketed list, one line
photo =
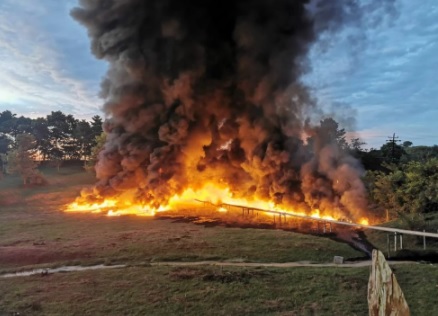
[(394, 139)]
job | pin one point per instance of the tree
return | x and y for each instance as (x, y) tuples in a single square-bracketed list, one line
[(331, 133), (56, 157), (100, 142), (5, 143), (391, 153), (409, 189), (3, 163), (6, 122), (384, 189), (6, 116), (355, 148), (21, 160), (420, 190), (58, 133), (327, 132), (84, 138), (40, 130), (12, 126), (69, 144), (420, 153), (58, 136), (407, 144), (7, 119), (96, 125)]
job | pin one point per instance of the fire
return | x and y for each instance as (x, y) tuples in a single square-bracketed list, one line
[(222, 210), (364, 221), (113, 208), (316, 214), (215, 194), (124, 206), (90, 208)]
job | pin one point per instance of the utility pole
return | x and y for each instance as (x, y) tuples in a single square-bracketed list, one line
[(394, 139)]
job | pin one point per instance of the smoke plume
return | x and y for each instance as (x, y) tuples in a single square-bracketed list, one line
[(202, 90)]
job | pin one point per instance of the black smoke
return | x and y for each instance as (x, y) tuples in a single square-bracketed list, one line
[(202, 90)]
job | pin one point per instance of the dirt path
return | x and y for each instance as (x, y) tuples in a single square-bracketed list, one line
[(267, 265), (64, 269), (298, 264)]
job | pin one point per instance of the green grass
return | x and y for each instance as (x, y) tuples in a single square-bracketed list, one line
[(412, 245), (56, 236), (35, 232), (190, 291), (212, 291)]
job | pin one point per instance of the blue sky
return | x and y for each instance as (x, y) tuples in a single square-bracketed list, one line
[(45, 60), (389, 84)]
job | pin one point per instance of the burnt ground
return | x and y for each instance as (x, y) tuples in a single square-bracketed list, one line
[(42, 235), (355, 238)]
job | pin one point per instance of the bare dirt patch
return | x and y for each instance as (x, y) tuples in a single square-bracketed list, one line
[(9, 198), (13, 255)]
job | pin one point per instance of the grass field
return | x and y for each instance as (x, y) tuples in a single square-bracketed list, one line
[(211, 291), (412, 245), (34, 232)]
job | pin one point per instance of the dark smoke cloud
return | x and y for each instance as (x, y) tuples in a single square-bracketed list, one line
[(201, 90)]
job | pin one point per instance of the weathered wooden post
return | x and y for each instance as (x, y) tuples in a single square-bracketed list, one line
[(385, 296), (395, 241)]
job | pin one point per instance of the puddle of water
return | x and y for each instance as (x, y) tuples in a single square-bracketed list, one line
[(60, 269)]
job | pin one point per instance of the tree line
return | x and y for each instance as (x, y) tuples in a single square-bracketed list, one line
[(405, 184), (400, 178), (57, 137)]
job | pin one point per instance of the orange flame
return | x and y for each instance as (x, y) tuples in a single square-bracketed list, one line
[(364, 221), (212, 193)]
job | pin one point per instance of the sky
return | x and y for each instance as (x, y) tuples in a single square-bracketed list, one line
[(387, 84)]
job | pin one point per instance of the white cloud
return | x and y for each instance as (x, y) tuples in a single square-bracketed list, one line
[(392, 81), (32, 76)]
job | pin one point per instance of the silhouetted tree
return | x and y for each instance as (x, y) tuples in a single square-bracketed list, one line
[(83, 136), (96, 125), (40, 130), (99, 143), (58, 136), (391, 153)]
